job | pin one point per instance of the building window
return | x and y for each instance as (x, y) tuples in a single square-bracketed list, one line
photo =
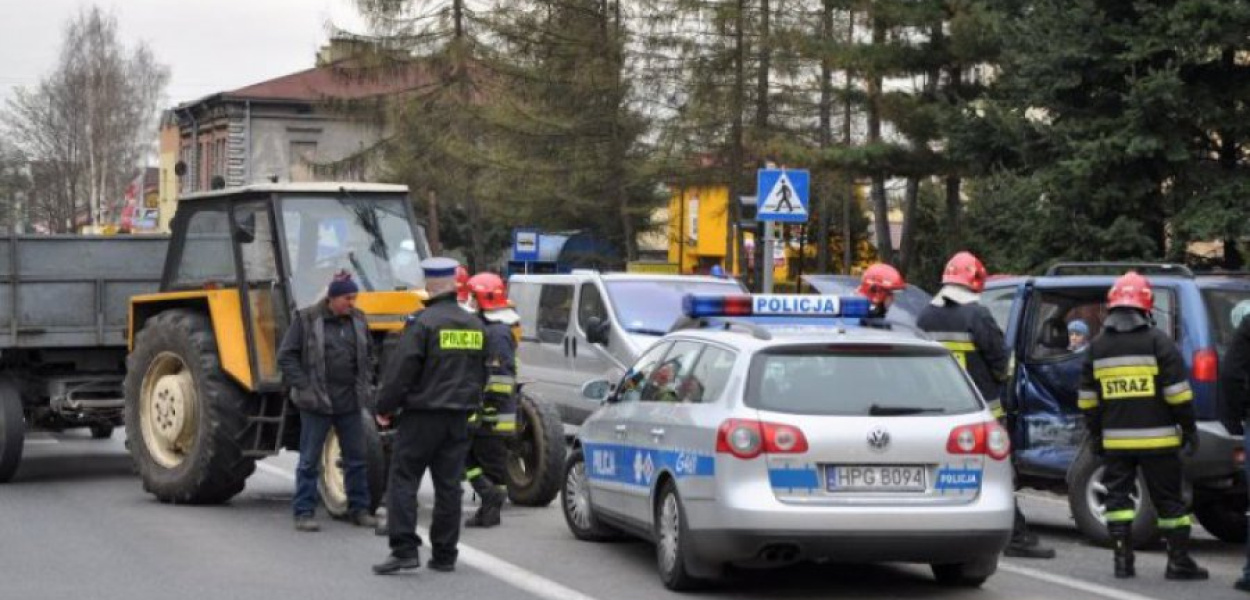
[(303, 155)]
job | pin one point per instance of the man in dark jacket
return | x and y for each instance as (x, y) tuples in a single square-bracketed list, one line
[(1138, 407), (1235, 393), (325, 359), (432, 383), (957, 319)]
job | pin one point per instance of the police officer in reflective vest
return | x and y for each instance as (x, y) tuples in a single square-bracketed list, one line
[(957, 319), (1139, 410), (432, 383), (490, 427)]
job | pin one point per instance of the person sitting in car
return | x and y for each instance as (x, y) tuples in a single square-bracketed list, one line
[(1078, 336)]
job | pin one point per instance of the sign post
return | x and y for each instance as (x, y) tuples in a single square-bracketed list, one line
[(783, 198)]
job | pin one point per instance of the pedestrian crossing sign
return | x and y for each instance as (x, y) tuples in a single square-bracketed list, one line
[(782, 195)]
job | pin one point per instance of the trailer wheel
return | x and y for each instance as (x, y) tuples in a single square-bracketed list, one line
[(12, 430), (535, 454), (184, 417), (331, 482)]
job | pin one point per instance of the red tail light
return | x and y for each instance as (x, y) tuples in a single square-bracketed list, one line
[(747, 439), (987, 438), (1206, 366)]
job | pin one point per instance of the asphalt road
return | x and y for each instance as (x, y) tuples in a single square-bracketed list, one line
[(76, 523)]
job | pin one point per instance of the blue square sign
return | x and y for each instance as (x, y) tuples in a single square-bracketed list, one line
[(525, 244), (781, 195)]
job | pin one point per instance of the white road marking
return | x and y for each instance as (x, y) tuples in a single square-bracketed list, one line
[(496, 567), (1069, 582)]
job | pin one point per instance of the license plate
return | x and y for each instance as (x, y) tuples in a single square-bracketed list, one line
[(875, 478)]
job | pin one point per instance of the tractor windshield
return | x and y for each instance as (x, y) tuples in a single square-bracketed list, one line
[(370, 236)]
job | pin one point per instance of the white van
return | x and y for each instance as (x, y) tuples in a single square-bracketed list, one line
[(588, 325)]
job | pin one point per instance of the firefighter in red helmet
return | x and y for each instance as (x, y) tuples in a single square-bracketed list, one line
[(958, 320), (878, 285), (1138, 408)]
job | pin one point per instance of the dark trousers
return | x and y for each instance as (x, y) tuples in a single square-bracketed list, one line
[(488, 457), (438, 441), (313, 430), (1162, 473)]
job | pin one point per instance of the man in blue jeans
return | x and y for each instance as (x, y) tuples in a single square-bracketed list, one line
[(325, 359), (1235, 389)]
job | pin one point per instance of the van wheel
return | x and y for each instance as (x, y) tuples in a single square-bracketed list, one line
[(1087, 497), (331, 481), (535, 454), (575, 499), (12, 429), (971, 574), (1223, 515)]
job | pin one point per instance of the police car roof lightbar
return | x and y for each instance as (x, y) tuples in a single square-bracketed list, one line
[(770, 305)]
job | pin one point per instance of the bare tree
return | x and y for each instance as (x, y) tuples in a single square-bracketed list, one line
[(89, 123)]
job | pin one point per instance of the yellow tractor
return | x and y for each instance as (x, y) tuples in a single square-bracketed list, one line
[(204, 397)]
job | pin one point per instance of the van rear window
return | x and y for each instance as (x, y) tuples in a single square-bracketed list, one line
[(859, 381)]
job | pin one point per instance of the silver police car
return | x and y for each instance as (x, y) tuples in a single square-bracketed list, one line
[(790, 432)]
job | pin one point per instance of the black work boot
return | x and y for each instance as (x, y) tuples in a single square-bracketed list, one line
[(492, 501), (394, 564), (1180, 565), (306, 523), (1122, 543)]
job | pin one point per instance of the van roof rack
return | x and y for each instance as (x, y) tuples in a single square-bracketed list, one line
[(723, 324), (1118, 268)]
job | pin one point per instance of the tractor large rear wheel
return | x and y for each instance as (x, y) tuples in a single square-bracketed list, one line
[(184, 417), (331, 484), (535, 454)]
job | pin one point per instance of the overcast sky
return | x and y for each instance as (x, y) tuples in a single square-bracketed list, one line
[(209, 45)]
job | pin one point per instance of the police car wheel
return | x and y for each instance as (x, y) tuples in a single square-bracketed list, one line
[(970, 574), (575, 499), (672, 541), (1087, 498)]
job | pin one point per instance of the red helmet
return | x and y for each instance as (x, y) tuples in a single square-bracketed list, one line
[(1131, 290), (489, 291), (462, 284), (880, 281), (965, 269)]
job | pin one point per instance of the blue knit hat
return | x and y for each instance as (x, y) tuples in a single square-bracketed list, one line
[(1078, 326), (342, 286)]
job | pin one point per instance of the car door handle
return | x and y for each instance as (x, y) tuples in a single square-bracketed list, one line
[(574, 346), (657, 432), (566, 345)]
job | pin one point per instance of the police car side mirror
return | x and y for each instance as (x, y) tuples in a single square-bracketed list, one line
[(597, 330), (596, 390)]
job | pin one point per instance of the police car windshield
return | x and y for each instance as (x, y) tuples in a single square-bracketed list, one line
[(873, 380), (652, 306)]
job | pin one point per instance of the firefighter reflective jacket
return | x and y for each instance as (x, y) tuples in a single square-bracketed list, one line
[(498, 412), (1134, 392), (968, 330)]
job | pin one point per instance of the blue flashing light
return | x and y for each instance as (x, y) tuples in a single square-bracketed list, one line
[(791, 305)]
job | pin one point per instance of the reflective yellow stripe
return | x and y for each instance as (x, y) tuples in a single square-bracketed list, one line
[(505, 426), (1181, 398), (473, 473), (1087, 403), (499, 388), (473, 417), (1184, 521), (1127, 371), (1116, 516), (1170, 441), (960, 346), (996, 409)]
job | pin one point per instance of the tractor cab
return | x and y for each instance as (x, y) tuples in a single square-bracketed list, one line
[(277, 247)]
